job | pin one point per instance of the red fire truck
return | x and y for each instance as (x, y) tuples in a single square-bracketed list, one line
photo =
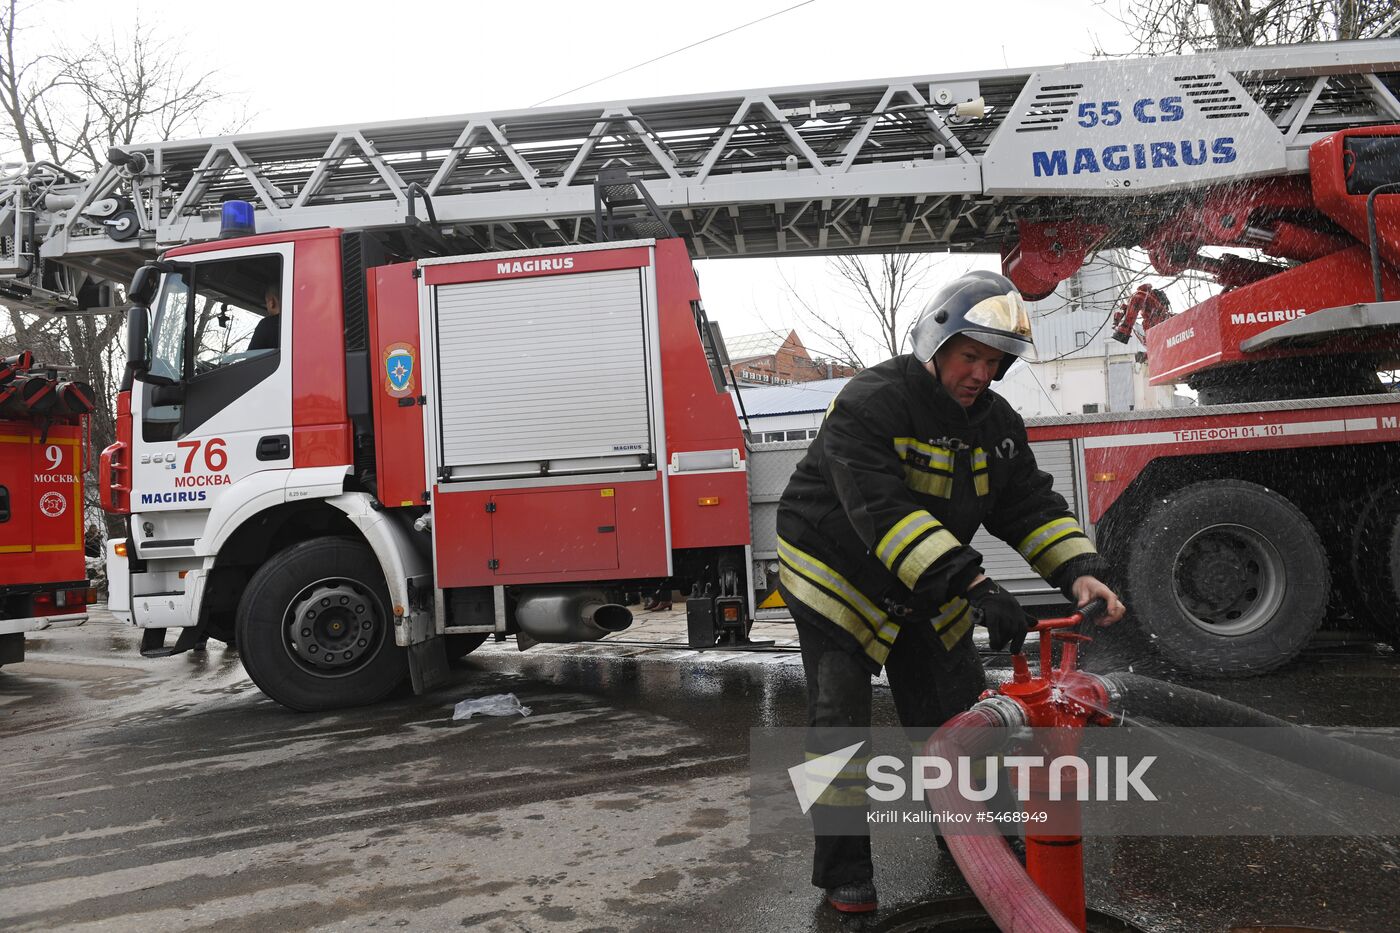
[(491, 445), (442, 395), (1238, 524), (43, 574)]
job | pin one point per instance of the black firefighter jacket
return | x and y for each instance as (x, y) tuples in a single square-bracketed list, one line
[(873, 528)]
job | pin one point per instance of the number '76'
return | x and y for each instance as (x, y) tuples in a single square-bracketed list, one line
[(215, 456)]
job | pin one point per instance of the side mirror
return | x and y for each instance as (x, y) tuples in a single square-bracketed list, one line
[(143, 284), (138, 327)]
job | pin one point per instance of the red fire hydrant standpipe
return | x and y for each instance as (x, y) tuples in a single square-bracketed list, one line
[(1048, 894)]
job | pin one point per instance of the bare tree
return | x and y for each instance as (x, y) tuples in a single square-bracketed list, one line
[(887, 289), (21, 84), (67, 105), (1169, 27), (130, 88)]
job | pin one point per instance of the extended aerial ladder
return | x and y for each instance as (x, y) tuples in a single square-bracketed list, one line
[(943, 162)]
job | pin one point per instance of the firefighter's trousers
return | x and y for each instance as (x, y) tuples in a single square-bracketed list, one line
[(929, 686)]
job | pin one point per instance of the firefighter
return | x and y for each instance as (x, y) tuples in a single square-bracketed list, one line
[(912, 458)]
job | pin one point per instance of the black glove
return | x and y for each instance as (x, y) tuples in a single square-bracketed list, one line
[(1004, 618)]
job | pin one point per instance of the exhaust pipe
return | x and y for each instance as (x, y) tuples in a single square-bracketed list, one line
[(566, 615)]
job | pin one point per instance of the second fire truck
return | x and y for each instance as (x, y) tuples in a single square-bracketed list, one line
[(43, 573)]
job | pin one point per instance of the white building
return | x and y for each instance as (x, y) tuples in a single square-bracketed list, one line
[(1083, 369)]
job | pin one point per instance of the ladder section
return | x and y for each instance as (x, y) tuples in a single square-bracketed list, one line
[(893, 165)]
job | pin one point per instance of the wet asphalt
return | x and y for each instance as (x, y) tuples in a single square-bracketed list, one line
[(171, 795)]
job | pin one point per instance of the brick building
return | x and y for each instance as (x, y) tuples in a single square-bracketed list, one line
[(770, 358)]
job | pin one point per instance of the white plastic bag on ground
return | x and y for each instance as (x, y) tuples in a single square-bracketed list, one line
[(502, 704)]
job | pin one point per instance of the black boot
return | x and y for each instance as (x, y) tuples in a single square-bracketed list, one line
[(855, 898)]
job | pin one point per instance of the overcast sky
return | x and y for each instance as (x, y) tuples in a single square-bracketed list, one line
[(307, 63)]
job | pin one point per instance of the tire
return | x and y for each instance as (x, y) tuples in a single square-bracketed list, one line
[(297, 621), (1227, 577), (459, 646), (1373, 585)]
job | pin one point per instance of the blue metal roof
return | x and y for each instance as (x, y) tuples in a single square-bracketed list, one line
[(799, 398)]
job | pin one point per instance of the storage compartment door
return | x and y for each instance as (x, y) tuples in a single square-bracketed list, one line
[(554, 532), (544, 376)]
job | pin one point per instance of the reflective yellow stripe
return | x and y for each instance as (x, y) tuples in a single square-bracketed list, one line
[(934, 478), (902, 534), (930, 484), (828, 409), (925, 554), (979, 471), (1043, 535), (814, 570), (938, 457), (877, 646), (979, 482), (1047, 540), (828, 607), (935, 469), (1055, 556), (949, 612), (956, 632), (1049, 546)]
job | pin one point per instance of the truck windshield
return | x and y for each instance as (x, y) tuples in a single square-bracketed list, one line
[(168, 329)]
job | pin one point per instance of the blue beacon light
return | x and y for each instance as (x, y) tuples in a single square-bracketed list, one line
[(236, 220)]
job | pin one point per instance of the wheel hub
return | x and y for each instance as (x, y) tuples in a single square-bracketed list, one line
[(1228, 579), (1214, 574), (332, 625)]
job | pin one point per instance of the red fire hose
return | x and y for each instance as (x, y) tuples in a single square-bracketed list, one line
[(992, 870), (1047, 895)]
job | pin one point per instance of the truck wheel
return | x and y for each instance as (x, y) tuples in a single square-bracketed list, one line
[(1227, 577), (1373, 589), (314, 628), (459, 646)]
